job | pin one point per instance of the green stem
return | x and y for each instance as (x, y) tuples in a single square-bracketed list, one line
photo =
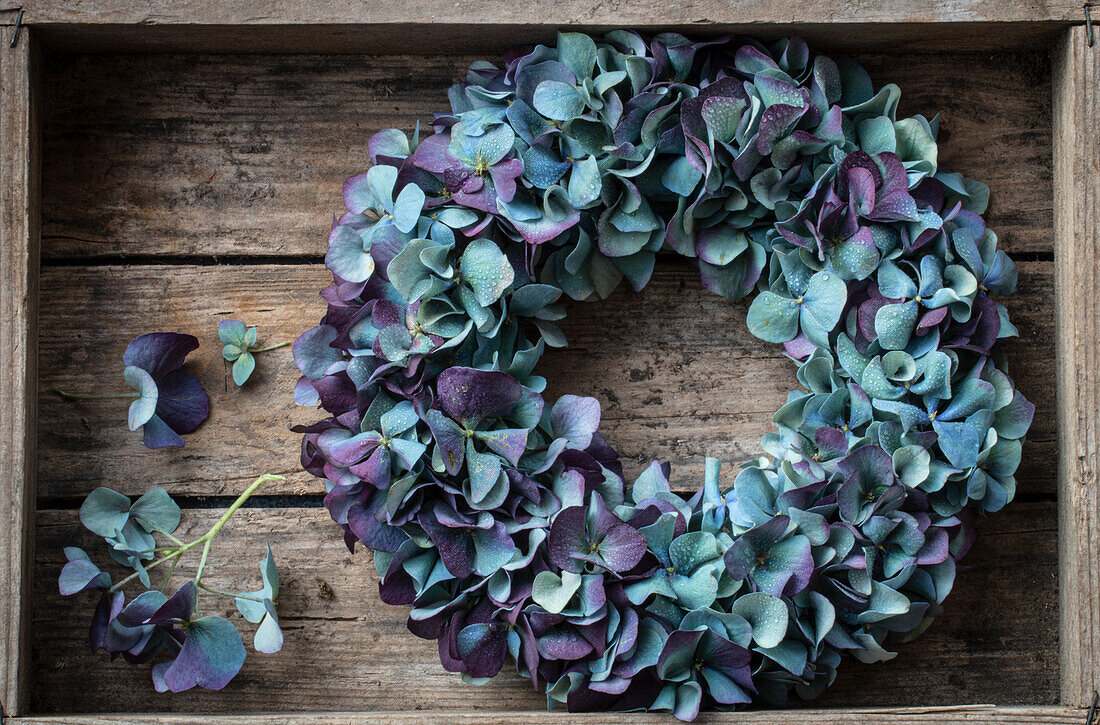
[(202, 561), (82, 396), (269, 347), (168, 557), (219, 592), (208, 537), (168, 576)]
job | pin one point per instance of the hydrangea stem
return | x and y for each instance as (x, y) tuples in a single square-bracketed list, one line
[(269, 347), (206, 539), (83, 396), (209, 535), (231, 595)]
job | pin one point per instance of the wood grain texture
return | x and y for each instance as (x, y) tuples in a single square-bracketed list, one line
[(245, 155), (1077, 244), (19, 219), (949, 715), (471, 36), (345, 650), (675, 368), (352, 26), (201, 158), (564, 12)]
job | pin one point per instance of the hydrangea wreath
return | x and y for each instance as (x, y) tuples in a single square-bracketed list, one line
[(505, 523)]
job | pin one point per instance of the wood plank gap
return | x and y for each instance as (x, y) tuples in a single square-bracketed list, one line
[(303, 501), (195, 260)]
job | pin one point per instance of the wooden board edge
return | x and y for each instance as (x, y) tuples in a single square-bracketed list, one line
[(535, 12), (1076, 79), (949, 715), (19, 253), (372, 35)]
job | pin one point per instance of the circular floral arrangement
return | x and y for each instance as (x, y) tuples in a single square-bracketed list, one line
[(505, 522)]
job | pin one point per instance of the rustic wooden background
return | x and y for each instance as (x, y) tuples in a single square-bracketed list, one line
[(181, 190)]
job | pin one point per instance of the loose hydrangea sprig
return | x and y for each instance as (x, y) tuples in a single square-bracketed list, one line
[(206, 651), (241, 348), (169, 402), (504, 522)]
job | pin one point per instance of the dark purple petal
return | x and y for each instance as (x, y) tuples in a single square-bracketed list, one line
[(621, 548), (568, 539), (564, 644), (468, 395), (211, 656), (898, 206), (376, 469), (178, 607), (143, 606), (105, 612), (482, 648), (364, 521), (182, 403), (431, 154), (456, 547), (831, 442), (504, 177), (449, 438), (158, 353), (354, 449), (861, 190)]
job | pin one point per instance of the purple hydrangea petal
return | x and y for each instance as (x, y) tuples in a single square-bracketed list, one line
[(354, 449), (211, 656), (80, 575), (449, 438), (468, 395), (158, 353), (568, 539), (483, 647), (158, 434), (510, 442), (575, 418), (621, 548), (179, 606), (182, 403), (313, 351)]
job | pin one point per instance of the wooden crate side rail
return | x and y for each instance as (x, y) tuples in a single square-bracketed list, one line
[(1077, 192), (951, 715), (1077, 282), (536, 12), (19, 162)]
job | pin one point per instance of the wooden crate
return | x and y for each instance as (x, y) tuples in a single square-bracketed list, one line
[(173, 185)]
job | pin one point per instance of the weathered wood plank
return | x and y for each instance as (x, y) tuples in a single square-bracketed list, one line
[(524, 12), (682, 378), (996, 643), (350, 26), (949, 715), (19, 229), (391, 38), (245, 155), (1077, 282)]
